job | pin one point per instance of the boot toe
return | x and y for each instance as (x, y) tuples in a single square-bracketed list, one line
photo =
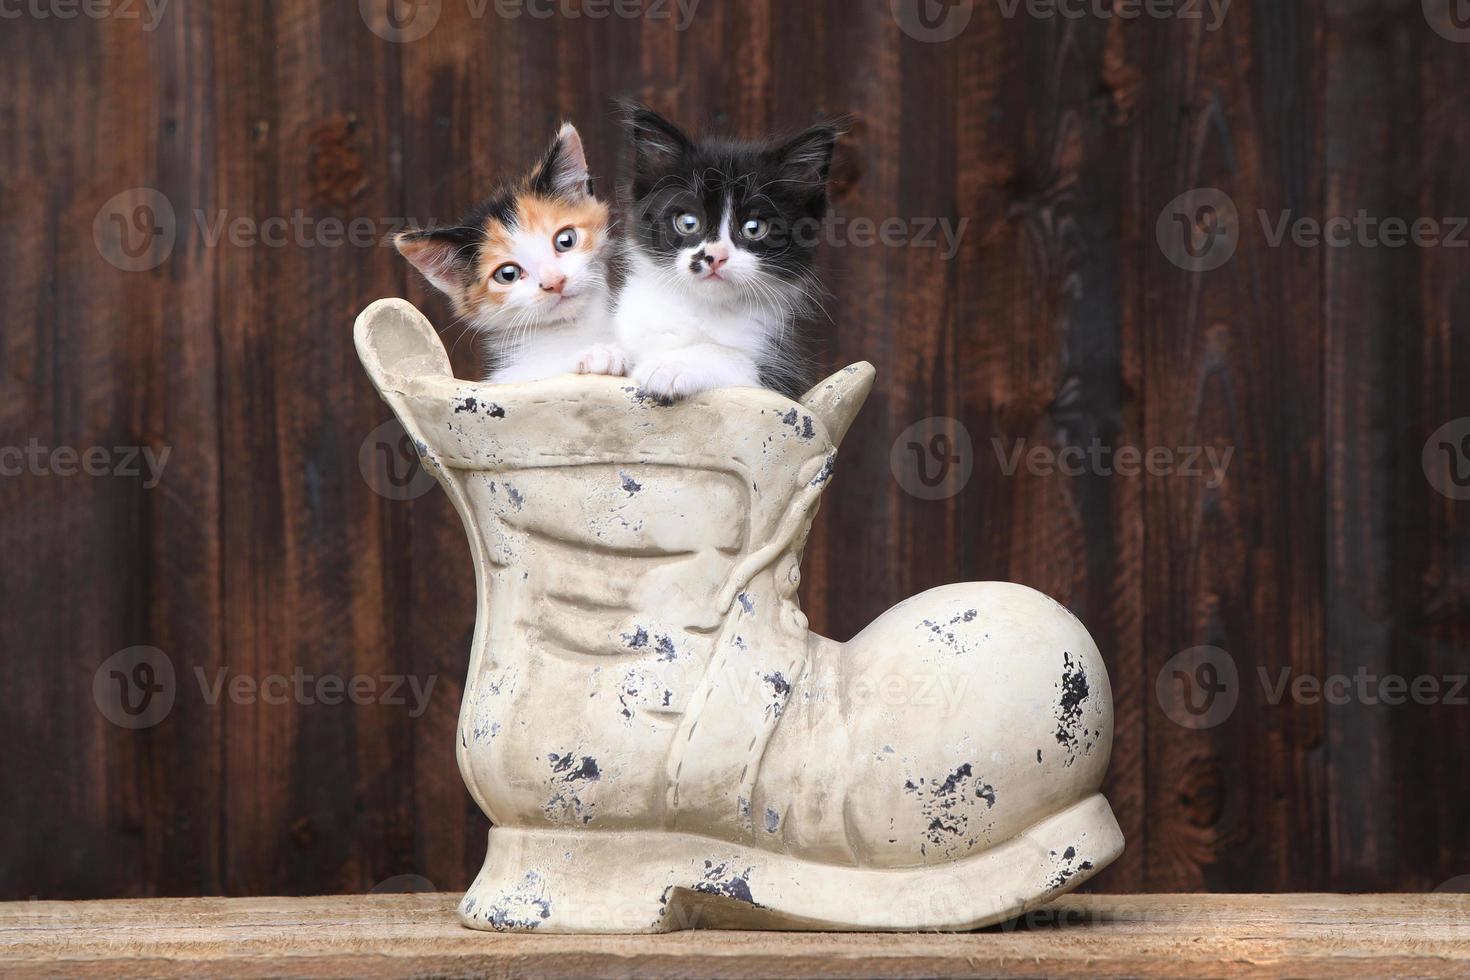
[(969, 713)]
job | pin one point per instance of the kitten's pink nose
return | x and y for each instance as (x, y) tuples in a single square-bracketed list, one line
[(717, 254), (553, 281)]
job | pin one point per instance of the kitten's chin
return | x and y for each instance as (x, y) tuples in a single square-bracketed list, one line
[(713, 284), (523, 322), (564, 308)]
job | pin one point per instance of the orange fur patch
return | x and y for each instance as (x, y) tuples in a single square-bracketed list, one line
[(550, 215), (536, 214)]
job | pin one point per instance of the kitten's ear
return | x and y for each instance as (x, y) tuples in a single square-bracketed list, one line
[(807, 157), (562, 172), (443, 256), (658, 143)]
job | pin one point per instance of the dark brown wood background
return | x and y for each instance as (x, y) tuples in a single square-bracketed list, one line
[(264, 550)]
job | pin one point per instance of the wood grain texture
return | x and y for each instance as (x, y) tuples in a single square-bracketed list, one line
[(1059, 324), (1325, 936), (1232, 360)]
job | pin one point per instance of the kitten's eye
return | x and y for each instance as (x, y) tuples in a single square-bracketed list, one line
[(755, 229), (688, 223), (566, 239), (508, 274)]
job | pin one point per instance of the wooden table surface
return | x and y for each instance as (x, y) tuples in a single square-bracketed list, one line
[(1085, 935)]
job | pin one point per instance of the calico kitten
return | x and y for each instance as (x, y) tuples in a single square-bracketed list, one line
[(720, 239), (528, 268)]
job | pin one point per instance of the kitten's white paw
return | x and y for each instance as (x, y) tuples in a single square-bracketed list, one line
[(603, 359), (674, 379)]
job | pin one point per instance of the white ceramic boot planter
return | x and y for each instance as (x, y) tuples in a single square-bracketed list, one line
[(658, 739)]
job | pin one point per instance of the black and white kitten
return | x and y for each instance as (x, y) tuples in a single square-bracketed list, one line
[(721, 235)]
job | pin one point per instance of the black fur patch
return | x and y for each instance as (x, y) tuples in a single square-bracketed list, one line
[(781, 182), (468, 234), (543, 178)]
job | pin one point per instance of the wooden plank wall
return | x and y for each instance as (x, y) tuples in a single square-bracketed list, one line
[(1060, 321)]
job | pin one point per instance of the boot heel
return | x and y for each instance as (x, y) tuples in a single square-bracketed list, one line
[(570, 882)]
